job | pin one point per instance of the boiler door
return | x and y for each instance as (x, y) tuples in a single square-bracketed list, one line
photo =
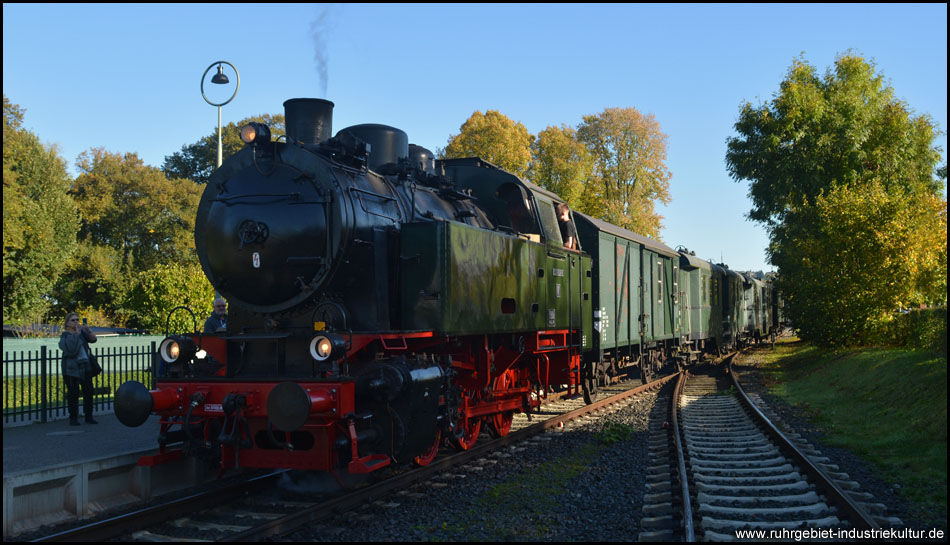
[(266, 238)]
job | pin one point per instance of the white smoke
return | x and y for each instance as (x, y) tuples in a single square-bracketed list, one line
[(318, 31)]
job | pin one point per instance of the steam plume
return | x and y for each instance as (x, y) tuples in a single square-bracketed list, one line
[(318, 31)]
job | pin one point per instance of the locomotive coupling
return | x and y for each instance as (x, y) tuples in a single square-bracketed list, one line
[(134, 402), (289, 405)]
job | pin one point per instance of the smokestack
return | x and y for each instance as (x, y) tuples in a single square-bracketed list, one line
[(308, 120)]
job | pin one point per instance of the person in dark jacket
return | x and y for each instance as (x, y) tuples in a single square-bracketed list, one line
[(218, 321), (77, 371)]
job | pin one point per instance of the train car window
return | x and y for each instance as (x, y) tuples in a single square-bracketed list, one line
[(520, 213), (659, 280), (549, 221), (704, 288)]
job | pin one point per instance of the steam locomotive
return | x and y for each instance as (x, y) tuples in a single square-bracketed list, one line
[(383, 302)]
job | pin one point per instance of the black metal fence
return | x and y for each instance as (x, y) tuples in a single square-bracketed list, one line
[(34, 390)]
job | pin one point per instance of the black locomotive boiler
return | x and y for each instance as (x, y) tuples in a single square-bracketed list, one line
[(382, 302)]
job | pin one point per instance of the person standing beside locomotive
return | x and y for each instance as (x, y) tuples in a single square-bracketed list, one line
[(218, 321), (568, 233), (78, 367)]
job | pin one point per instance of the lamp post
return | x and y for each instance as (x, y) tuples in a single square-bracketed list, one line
[(220, 79)]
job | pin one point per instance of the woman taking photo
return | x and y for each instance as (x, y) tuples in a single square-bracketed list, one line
[(77, 368)]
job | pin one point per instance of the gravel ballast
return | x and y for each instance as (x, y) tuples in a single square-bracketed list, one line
[(581, 483)]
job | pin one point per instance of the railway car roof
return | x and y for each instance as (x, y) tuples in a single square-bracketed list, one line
[(695, 262), (654, 245)]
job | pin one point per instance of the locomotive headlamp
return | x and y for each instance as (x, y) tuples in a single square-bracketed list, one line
[(324, 347), (177, 349), (255, 133)]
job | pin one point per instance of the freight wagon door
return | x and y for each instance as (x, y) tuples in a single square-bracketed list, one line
[(621, 311), (647, 294), (676, 300)]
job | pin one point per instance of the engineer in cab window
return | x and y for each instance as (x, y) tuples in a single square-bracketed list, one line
[(568, 233)]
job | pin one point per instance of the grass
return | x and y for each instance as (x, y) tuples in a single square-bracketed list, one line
[(887, 406)]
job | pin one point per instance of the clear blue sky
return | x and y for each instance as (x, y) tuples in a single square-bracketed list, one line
[(127, 77)]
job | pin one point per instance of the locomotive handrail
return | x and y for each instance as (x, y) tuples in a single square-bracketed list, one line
[(359, 197), (257, 337), (373, 193), (330, 303), (194, 321), (295, 195)]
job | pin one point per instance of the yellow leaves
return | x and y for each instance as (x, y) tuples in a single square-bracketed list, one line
[(860, 251), (612, 167), (629, 153), (494, 137)]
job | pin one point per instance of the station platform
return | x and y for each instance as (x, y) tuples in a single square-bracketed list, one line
[(55, 473), (38, 446)]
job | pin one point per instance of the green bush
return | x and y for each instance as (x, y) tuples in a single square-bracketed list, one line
[(156, 291), (924, 329)]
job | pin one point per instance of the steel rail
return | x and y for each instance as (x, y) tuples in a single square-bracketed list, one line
[(113, 527), (858, 516), (342, 504), (686, 501)]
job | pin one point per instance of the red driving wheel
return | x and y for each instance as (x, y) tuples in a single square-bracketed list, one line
[(426, 457), (465, 430), (501, 422)]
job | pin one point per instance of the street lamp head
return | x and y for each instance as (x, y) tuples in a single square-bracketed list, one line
[(220, 78)]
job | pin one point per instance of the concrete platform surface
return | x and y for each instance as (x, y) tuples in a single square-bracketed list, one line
[(37, 446)]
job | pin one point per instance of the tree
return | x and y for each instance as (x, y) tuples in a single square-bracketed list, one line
[(821, 133), (197, 161), (135, 209), (853, 257), (630, 174), (40, 219), (841, 174), (133, 218), (155, 292), (495, 138), (562, 165)]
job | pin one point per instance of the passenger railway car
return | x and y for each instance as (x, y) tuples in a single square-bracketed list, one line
[(383, 302)]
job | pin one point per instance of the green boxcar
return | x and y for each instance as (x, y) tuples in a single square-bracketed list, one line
[(702, 298), (733, 313), (635, 289), (756, 316)]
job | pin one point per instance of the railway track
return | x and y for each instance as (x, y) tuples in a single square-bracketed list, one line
[(741, 472), (240, 514)]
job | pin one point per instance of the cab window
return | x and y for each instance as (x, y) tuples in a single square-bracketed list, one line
[(549, 222)]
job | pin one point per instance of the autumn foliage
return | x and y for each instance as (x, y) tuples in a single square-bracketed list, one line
[(842, 175), (611, 166)]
